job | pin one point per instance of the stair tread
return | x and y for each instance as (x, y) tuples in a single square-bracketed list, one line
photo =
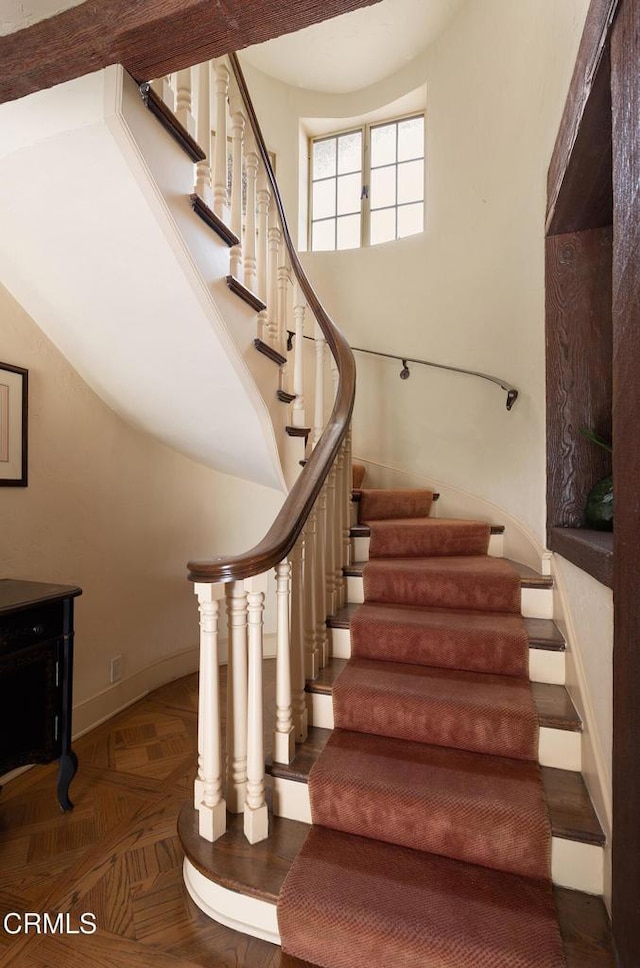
[(553, 703), (214, 222), (364, 530), (260, 872), (356, 495), (543, 632), (528, 577), (245, 294), (571, 812)]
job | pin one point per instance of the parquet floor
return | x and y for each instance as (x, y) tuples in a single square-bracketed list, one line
[(117, 854)]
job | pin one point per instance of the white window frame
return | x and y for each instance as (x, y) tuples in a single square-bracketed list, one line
[(365, 195)]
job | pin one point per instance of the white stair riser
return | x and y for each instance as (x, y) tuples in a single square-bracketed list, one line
[(534, 602), (574, 865), (560, 748), (544, 665), (360, 547)]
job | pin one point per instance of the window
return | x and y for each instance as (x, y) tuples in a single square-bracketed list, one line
[(367, 185)]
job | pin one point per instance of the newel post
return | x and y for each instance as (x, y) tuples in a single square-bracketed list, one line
[(256, 821), (209, 802)]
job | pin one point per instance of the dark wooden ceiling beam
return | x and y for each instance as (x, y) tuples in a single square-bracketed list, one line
[(149, 37)]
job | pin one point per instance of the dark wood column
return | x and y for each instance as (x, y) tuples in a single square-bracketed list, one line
[(149, 37), (625, 89)]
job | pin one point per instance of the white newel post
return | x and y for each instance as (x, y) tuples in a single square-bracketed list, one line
[(256, 821), (237, 139), (220, 200), (330, 565), (237, 697), (297, 412), (318, 417), (312, 659), (183, 102), (250, 266), (272, 290), (162, 87), (203, 168), (264, 196), (300, 713), (209, 802), (284, 744)]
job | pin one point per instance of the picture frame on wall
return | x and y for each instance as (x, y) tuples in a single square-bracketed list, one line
[(13, 425)]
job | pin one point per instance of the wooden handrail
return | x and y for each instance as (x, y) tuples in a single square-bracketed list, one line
[(291, 518)]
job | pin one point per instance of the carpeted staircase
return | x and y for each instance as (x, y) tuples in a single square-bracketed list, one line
[(431, 844)]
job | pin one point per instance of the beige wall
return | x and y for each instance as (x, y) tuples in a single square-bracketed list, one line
[(470, 290), (112, 510)]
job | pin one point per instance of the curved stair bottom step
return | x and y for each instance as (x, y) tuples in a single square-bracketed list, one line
[(225, 883)]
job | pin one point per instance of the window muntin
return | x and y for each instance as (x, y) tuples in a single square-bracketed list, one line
[(367, 185)]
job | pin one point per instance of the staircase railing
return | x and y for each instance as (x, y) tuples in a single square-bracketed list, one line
[(307, 545)]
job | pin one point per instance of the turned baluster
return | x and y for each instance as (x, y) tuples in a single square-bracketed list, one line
[(184, 112), (299, 703), (312, 658), (272, 286), (256, 821), (339, 525), (319, 580), (318, 418), (250, 265), (284, 282), (237, 139), (203, 167), (220, 175), (346, 498), (284, 744), (162, 87), (237, 697), (330, 564), (264, 196), (297, 412), (212, 811)]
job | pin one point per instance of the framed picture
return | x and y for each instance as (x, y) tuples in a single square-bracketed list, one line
[(13, 426)]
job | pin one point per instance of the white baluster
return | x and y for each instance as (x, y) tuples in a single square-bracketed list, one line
[(264, 196), (183, 102), (250, 265), (319, 580), (318, 419), (212, 812), (220, 199), (272, 285), (330, 565), (162, 87), (284, 743), (284, 281), (203, 168), (297, 412), (339, 524), (348, 490), (312, 657), (300, 713), (237, 697), (237, 139), (256, 821)]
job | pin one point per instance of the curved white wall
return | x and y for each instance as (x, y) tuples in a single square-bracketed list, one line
[(111, 509), (470, 290)]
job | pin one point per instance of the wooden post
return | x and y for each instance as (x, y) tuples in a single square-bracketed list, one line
[(256, 820), (212, 811), (236, 697), (284, 744)]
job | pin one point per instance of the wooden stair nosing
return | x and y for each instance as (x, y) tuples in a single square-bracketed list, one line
[(528, 577), (170, 123), (364, 531), (239, 289), (269, 352), (298, 431), (356, 495), (285, 397), (214, 221), (571, 812), (543, 632), (553, 702)]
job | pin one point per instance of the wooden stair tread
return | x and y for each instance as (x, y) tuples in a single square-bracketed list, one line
[(214, 221), (245, 294), (364, 531), (285, 397), (543, 632), (553, 702), (298, 431), (570, 809), (170, 123), (528, 577), (269, 352), (356, 495), (259, 871)]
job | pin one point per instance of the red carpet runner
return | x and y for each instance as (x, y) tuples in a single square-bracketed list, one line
[(431, 843)]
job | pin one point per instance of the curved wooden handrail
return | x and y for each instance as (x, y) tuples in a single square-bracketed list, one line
[(284, 531)]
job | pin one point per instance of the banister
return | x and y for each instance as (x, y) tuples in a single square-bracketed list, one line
[(512, 393), (283, 533)]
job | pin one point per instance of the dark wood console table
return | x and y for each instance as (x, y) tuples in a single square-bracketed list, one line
[(36, 678)]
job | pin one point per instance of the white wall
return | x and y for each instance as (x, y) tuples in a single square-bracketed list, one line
[(470, 290), (586, 608), (112, 510)]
